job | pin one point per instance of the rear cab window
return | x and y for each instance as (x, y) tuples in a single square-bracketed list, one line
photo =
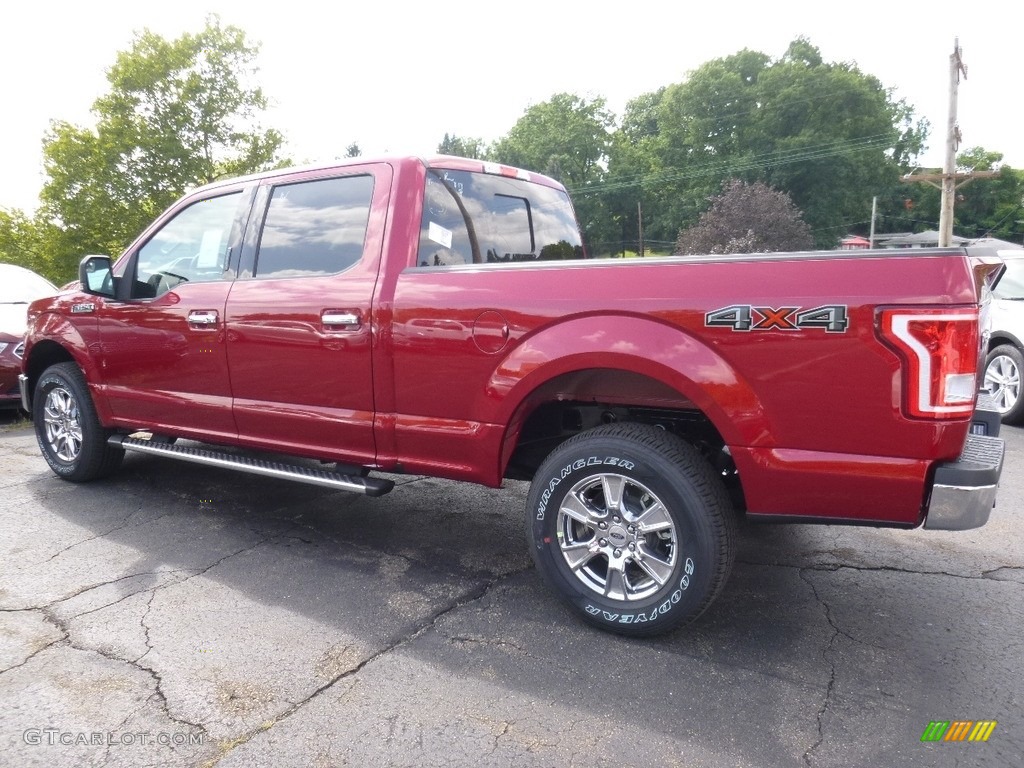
[(484, 218)]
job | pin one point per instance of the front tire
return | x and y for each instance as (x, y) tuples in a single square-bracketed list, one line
[(632, 528), (70, 436), (1003, 369)]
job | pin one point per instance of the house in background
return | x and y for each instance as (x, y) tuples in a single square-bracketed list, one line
[(926, 239), (853, 242)]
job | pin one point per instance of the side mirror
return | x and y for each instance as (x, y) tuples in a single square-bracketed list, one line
[(96, 277)]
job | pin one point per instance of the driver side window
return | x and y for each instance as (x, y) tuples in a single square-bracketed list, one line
[(192, 247)]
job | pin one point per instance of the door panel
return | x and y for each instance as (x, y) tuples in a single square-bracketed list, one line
[(299, 328), (163, 350)]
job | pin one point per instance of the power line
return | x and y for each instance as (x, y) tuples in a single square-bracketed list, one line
[(755, 162)]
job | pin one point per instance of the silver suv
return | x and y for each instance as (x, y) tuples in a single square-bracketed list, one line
[(1005, 361)]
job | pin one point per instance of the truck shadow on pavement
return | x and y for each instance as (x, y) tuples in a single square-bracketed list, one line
[(268, 611)]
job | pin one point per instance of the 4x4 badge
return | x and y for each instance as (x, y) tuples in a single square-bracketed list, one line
[(833, 318)]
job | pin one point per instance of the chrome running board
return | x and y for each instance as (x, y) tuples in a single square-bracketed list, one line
[(370, 486)]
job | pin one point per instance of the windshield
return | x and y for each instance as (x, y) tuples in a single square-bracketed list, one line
[(480, 218), (1011, 283)]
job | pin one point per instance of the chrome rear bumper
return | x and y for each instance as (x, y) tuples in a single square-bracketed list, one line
[(964, 491)]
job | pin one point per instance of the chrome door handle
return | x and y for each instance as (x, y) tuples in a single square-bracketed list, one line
[(339, 318), (201, 317)]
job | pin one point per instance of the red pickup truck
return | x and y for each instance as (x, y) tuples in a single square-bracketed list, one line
[(440, 317)]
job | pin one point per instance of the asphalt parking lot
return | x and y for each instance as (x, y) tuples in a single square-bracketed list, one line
[(175, 615)]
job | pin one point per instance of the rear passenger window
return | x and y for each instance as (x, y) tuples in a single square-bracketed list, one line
[(314, 227)]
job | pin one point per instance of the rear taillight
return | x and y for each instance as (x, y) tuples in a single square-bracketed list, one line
[(939, 348)]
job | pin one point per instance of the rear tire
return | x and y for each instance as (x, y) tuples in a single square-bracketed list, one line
[(632, 528), (72, 440)]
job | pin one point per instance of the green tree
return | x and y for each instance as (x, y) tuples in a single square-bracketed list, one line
[(178, 114), (982, 207), (632, 192), (23, 242), (568, 138), (747, 218), (461, 146), (827, 134)]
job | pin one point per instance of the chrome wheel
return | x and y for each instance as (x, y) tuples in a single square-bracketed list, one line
[(62, 424), (1002, 381), (617, 537)]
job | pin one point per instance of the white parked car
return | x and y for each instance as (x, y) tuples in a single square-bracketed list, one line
[(18, 288), (1004, 364)]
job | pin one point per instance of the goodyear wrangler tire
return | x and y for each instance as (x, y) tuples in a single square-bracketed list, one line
[(631, 527), (68, 431)]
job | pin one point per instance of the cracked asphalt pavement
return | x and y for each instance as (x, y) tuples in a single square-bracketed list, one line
[(175, 615)]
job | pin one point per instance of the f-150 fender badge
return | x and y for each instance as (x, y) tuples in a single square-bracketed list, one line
[(82, 309), (832, 318)]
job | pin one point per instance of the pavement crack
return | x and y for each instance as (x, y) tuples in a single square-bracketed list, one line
[(834, 567), (157, 694), (155, 589), (37, 651), (825, 654), (63, 625), (1004, 573), (87, 588), (125, 523), (486, 641), (468, 597), (145, 628)]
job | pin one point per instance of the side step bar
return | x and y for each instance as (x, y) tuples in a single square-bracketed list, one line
[(370, 486)]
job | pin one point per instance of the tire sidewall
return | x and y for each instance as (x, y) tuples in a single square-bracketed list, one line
[(50, 380), (683, 596)]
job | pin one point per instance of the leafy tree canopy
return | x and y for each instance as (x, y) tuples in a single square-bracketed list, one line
[(825, 133), (179, 114), (461, 146), (747, 218), (982, 207), (568, 138)]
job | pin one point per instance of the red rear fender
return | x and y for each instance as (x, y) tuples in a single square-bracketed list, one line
[(682, 372)]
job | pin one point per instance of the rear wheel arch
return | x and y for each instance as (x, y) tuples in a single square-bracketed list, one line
[(693, 377), (550, 414)]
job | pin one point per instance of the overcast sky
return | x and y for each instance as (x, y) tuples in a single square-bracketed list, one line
[(396, 77)]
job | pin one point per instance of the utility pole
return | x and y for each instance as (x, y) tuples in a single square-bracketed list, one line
[(949, 177), (640, 227), (874, 212), (953, 137)]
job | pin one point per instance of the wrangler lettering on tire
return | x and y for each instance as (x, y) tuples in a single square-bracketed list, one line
[(631, 526)]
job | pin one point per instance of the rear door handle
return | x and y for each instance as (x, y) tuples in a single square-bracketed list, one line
[(203, 317), (335, 318)]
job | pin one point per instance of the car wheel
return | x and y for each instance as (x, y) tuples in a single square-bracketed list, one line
[(1003, 368), (69, 433), (632, 528)]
